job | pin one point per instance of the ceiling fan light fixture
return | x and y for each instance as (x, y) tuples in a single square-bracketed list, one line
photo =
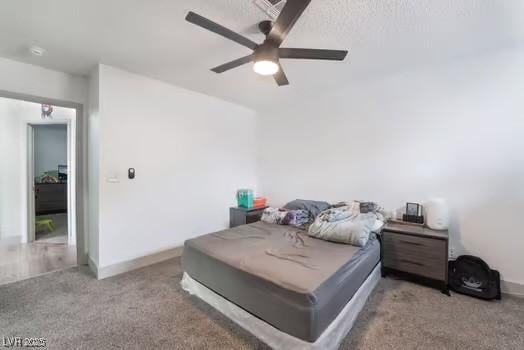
[(266, 56), (265, 67)]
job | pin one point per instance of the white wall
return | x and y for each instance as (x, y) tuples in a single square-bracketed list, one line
[(50, 145), (93, 169), (191, 153), (14, 117), (452, 131), (26, 79), (9, 174)]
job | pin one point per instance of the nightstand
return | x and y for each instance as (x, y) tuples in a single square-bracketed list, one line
[(241, 216), (417, 251)]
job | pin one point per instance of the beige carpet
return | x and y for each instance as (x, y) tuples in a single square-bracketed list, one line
[(146, 309)]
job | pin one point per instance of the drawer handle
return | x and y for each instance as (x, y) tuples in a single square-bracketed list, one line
[(411, 243), (411, 262)]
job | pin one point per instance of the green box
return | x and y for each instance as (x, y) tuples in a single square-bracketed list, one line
[(245, 198)]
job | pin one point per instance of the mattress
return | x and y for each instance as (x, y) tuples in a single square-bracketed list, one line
[(296, 283)]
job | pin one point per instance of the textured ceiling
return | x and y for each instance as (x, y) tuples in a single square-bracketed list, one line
[(150, 37)]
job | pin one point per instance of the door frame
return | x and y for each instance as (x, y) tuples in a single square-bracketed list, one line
[(30, 184), (71, 178), (79, 220)]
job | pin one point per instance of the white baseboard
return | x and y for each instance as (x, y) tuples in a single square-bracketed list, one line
[(92, 266), (512, 288), (133, 264), (8, 240)]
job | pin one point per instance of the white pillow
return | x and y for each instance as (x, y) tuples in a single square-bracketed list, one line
[(377, 225), (352, 230)]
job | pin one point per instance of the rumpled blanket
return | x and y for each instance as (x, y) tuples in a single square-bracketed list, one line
[(313, 208), (273, 215), (346, 224), (297, 218)]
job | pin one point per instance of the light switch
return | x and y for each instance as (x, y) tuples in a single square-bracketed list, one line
[(113, 179)]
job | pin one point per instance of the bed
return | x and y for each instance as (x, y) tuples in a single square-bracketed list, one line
[(297, 285)]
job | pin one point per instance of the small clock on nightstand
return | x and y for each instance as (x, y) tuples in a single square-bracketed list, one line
[(416, 250)]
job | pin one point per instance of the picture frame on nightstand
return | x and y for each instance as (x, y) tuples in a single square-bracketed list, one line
[(413, 209), (413, 213)]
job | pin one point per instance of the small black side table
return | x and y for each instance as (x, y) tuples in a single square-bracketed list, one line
[(241, 216)]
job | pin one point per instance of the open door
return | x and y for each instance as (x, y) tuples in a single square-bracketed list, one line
[(51, 199), (28, 111), (31, 183), (71, 185)]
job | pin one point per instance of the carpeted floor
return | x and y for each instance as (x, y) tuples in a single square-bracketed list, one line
[(146, 309)]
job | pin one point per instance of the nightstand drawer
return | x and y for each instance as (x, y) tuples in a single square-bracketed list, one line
[(425, 268), (254, 216), (412, 245), (418, 255)]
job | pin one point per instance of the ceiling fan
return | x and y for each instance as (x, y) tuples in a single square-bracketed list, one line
[(266, 56)]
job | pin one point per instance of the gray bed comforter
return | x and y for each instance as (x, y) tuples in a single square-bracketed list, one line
[(278, 273), (345, 224)]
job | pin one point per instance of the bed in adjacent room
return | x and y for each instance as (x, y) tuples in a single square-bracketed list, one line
[(289, 289)]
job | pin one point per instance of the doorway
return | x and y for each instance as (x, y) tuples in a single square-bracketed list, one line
[(50, 174), (39, 189)]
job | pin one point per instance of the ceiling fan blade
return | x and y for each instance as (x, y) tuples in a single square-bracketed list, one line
[(285, 21), (280, 77), (312, 54), (233, 64), (220, 30)]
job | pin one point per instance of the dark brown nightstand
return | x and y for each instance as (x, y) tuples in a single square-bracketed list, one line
[(416, 250), (241, 216)]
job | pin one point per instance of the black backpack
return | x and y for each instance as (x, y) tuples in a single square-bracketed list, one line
[(472, 276)]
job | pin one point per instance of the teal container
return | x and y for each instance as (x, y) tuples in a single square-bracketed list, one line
[(245, 198)]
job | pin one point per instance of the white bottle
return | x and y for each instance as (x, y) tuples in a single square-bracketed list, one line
[(437, 214)]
